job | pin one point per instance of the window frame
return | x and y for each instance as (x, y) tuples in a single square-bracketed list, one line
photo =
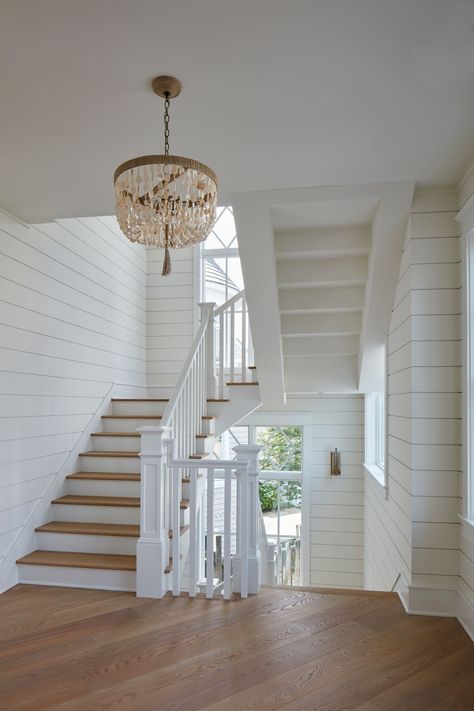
[(376, 436), (467, 516)]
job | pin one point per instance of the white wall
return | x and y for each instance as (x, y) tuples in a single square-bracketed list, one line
[(170, 316), (72, 321), (466, 539), (333, 507), (416, 530)]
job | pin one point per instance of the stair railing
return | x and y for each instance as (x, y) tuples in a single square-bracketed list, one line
[(241, 570), (203, 376), (234, 348)]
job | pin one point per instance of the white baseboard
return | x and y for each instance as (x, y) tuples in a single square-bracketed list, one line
[(466, 612)]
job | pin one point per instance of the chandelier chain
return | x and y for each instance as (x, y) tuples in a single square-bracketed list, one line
[(167, 124)]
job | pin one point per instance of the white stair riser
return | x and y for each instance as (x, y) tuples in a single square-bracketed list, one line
[(97, 487), (96, 514), (104, 514), (208, 427), (77, 577), (115, 444), (77, 543), (135, 408), (128, 425), (184, 517), (204, 446), (109, 464)]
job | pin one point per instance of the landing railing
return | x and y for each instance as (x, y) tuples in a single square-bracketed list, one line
[(241, 570), (220, 354), (234, 351)]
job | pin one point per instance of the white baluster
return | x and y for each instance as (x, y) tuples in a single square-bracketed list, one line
[(221, 355), (176, 475), (193, 535), (207, 316), (232, 343), (210, 535), (244, 340), (227, 532)]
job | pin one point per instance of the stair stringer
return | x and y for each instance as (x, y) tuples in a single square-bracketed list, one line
[(242, 401)]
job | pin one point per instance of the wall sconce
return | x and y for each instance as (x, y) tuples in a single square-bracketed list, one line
[(335, 462)]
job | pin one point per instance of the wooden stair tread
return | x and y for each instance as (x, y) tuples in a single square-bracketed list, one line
[(132, 417), (217, 399), (199, 455), (208, 417), (105, 561), (98, 453), (252, 367), (140, 399), (242, 383), (203, 436), (184, 504), (76, 500), (105, 476), (115, 434), (91, 529)]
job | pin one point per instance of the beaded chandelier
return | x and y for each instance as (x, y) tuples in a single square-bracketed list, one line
[(165, 200)]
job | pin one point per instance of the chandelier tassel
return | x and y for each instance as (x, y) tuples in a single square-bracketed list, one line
[(167, 260)]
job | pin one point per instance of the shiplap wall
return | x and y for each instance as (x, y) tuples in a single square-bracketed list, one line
[(333, 506), (416, 530), (466, 539), (337, 502), (72, 321), (170, 316)]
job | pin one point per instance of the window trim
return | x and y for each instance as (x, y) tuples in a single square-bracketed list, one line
[(468, 395), (375, 436)]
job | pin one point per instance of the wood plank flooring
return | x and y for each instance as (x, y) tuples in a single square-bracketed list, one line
[(90, 650)]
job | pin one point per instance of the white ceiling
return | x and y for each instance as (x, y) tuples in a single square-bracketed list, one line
[(277, 94)]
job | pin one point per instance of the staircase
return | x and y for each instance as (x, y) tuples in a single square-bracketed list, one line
[(91, 539)]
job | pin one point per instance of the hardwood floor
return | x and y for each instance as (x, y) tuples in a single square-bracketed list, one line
[(92, 650)]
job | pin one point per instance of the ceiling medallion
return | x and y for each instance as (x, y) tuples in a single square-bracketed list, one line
[(165, 200)]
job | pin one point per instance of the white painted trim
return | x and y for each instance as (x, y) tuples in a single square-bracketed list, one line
[(466, 213), (468, 371), (466, 613), (24, 543), (305, 553), (377, 472), (466, 176), (14, 218), (467, 528)]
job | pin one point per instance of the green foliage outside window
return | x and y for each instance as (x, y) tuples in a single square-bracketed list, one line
[(289, 491), (281, 448), (281, 452)]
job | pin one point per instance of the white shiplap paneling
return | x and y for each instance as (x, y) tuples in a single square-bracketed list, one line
[(72, 321), (415, 530), (170, 316)]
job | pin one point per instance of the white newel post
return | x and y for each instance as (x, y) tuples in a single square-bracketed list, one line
[(249, 453), (152, 546), (207, 316)]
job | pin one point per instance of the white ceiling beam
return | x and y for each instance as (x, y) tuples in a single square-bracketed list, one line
[(256, 246), (388, 234)]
